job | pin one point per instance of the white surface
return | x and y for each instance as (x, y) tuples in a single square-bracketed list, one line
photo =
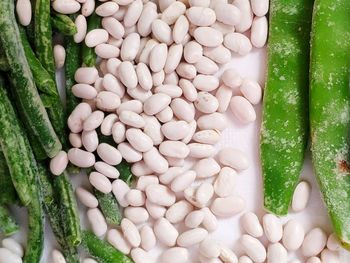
[(249, 185)]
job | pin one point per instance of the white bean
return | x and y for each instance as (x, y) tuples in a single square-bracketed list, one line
[(59, 55), (160, 195), (145, 181), (148, 15), (313, 260), (162, 32), (233, 158), (207, 167), (132, 119), (170, 174), (66, 7), (113, 27), (276, 253), (84, 91), (314, 242), (107, 101), (194, 219), (208, 37), (201, 16), (75, 140), (148, 239), (137, 215), (135, 197), (165, 232), (200, 150), (259, 32), (120, 189), (189, 91), (260, 7), (144, 56), (117, 240), (175, 255), (139, 140), (139, 255), (206, 102), (227, 255), (118, 132), (245, 259), (7, 256), (330, 256), (203, 3), (209, 248), (173, 58), (180, 29), (173, 12), (293, 235), (165, 115), (130, 232), (182, 109), (94, 120), (97, 221), (246, 15), (207, 136), (96, 37), (227, 206), (209, 222), (187, 71), (13, 246), (175, 130), (193, 52), (238, 43), (129, 153), (86, 75), (225, 182), (333, 243), (107, 9), (204, 193), (206, 82), (182, 181), (107, 124), (130, 47), (154, 210), (254, 249), (158, 78), (86, 198), (24, 12), (59, 163), (155, 161), (176, 149), (81, 158), (109, 154), (133, 13), (57, 256), (192, 237), (251, 224), (272, 228), (251, 90), (107, 51), (153, 129), (144, 76), (227, 14), (127, 74), (156, 103), (100, 182), (219, 54), (88, 8), (242, 109), (301, 196), (178, 211)]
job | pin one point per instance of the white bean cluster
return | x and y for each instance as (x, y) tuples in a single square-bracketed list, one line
[(157, 94)]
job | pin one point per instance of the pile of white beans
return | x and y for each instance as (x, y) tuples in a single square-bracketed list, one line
[(157, 93)]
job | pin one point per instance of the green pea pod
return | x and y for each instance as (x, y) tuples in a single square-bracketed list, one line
[(284, 130), (330, 109), (101, 250), (64, 24), (7, 225), (88, 54)]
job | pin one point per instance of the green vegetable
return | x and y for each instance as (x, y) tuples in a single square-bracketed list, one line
[(42, 78), (7, 225), (124, 169), (284, 130), (35, 242), (64, 24), (109, 207), (22, 79), (8, 193), (101, 250), (4, 66), (72, 64), (13, 146), (329, 110), (43, 35), (69, 210), (88, 54)]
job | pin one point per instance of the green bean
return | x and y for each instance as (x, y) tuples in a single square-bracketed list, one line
[(72, 64), (88, 54), (8, 193), (109, 207), (284, 130), (22, 79), (64, 24), (102, 251), (329, 110), (13, 145), (69, 210), (43, 35), (7, 225)]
